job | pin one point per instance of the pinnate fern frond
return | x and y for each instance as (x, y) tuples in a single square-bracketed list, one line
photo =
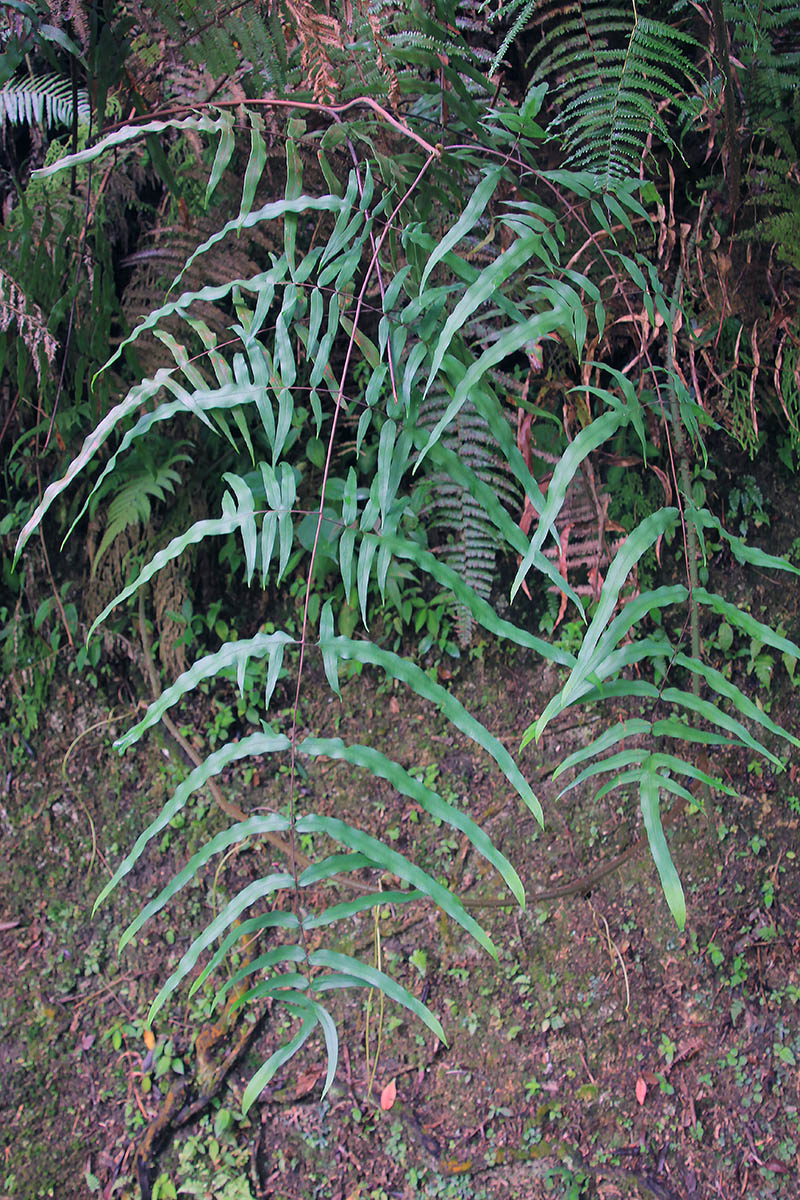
[(42, 99), (131, 502), (515, 14), (617, 72), (765, 42), (471, 539)]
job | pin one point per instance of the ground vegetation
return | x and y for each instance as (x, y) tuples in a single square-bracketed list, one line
[(453, 388)]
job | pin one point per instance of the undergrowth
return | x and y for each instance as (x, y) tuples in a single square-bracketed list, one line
[(367, 308)]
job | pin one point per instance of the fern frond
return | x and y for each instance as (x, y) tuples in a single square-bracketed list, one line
[(471, 539), (42, 99), (617, 71), (131, 503), (221, 38), (766, 40), (505, 12), (293, 329)]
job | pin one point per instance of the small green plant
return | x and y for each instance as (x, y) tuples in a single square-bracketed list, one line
[(746, 506), (715, 954), (29, 652), (667, 1048), (784, 1054), (566, 1182)]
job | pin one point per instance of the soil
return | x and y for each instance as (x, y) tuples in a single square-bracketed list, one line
[(604, 1054)]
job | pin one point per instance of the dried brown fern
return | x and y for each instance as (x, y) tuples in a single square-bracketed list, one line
[(317, 33), (31, 323)]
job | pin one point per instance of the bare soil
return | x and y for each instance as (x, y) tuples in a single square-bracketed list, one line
[(604, 1054)]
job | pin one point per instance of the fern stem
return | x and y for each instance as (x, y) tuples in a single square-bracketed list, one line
[(690, 532), (732, 144), (325, 473), (304, 105)]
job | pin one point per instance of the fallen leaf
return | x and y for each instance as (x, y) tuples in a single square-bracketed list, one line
[(388, 1095), (149, 1039), (641, 1090), (306, 1082)]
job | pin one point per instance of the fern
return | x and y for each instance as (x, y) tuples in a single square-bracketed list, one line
[(219, 38), (472, 538), (297, 327), (292, 45), (42, 99), (131, 503), (257, 380), (617, 72), (765, 40), (518, 13)]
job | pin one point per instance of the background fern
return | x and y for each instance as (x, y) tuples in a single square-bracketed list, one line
[(219, 38), (42, 99), (767, 43), (471, 539), (617, 72)]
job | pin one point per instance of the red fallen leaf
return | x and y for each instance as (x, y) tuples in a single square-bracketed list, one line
[(641, 1090), (388, 1095), (306, 1082)]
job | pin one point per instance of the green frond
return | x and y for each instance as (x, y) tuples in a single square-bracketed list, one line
[(765, 42), (219, 38), (131, 501), (506, 12), (613, 67)]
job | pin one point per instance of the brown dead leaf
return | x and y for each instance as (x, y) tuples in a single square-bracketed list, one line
[(306, 1082)]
